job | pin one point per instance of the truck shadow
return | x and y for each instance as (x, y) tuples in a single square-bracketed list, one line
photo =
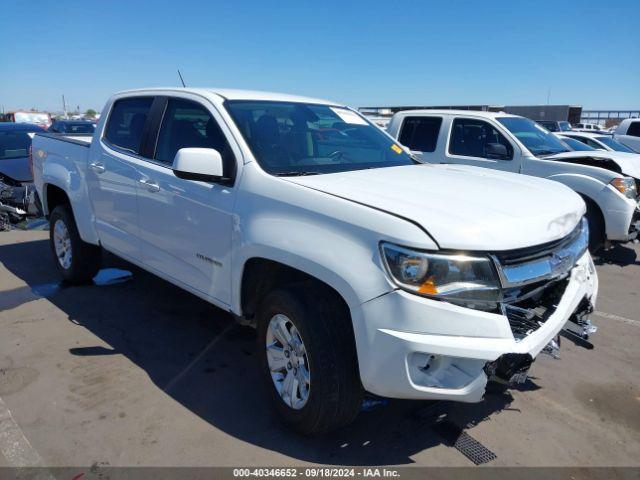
[(199, 356), (620, 255)]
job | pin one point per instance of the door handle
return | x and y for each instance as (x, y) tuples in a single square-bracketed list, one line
[(151, 186), (97, 167)]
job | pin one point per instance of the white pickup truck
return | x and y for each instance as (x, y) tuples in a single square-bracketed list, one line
[(628, 133), (500, 141), (362, 269)]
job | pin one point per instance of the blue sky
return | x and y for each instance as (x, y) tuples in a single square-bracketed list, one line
[(360, 53)]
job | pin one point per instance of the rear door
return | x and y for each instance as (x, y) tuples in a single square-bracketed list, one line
[(421, 134), (186, 225), (112, 176), (474, 141)]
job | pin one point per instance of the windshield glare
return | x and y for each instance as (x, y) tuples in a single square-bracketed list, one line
[(289, 138), (537, 139), (614, 144), (565, 126)]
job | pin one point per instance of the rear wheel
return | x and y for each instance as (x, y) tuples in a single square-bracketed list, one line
[(76, 260), (309, 360)]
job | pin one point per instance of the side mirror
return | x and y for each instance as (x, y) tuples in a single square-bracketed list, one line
[(204, 164), (497, 151)]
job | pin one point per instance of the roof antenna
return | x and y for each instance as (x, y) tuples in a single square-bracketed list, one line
[(181, 79)]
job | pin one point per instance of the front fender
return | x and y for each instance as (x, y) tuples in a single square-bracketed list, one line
[(616, 210)]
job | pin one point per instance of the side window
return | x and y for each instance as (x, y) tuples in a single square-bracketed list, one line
[(126, 121), (634, 129), (188, 124), (420, 133), (593, 144), (477, 138), (582, 139)]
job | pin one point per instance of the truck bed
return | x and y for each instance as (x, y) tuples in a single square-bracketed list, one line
[(83, 139)]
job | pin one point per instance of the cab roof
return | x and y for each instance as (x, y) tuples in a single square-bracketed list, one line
[(231, 94), (579, 133), (470, 113)]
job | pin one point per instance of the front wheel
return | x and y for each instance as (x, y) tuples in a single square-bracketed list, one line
[(597, 236), (77, 261), (308, 358)]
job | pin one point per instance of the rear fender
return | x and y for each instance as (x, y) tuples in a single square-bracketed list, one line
[(65, 174)]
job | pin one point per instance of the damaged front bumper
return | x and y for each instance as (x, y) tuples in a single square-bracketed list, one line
[(447, 352), (17, 201)]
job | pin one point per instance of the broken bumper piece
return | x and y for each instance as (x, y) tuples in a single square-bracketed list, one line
[(510, 368)]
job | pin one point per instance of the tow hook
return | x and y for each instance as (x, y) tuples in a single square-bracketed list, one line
[(510, 368)]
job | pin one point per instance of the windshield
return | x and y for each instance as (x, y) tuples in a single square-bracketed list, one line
[(614, 144), (304, 139), (565, 126), (14, 144), (576, 145), (537, 139)]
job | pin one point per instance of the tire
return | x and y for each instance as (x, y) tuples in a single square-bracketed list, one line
[(596, 226), (324, 327), (84, 259)]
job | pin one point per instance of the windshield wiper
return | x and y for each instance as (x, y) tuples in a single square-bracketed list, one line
[(295, 174)]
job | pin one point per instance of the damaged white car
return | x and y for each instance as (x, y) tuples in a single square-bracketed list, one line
[(18, 198)]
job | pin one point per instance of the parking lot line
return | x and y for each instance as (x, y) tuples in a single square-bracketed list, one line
[(611, 316), (15, 447)]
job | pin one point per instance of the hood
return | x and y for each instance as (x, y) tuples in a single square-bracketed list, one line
[(16, 169), (462, 207), (629, 163)]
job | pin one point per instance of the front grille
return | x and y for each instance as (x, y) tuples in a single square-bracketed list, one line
[(530, 309), (534, 279), (528, 254)]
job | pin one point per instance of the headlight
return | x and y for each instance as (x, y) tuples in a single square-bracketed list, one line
[(462, 279), (626, 186)]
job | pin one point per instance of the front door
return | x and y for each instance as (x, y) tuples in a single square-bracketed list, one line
[(186, 225), (112, 176)]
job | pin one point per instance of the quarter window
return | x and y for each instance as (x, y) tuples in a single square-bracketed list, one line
[(421, 133), (477, 138), (126, 122), (593, 144), (188, 124)]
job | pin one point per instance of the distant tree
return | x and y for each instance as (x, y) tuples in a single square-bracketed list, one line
[(91, 113)]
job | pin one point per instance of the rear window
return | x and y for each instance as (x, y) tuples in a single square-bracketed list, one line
[(14, 144), (420, 133), (551, 126), (634, 129), (81, 128), (127, 119)]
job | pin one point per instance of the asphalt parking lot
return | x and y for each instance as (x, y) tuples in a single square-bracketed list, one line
[(142, 373)]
